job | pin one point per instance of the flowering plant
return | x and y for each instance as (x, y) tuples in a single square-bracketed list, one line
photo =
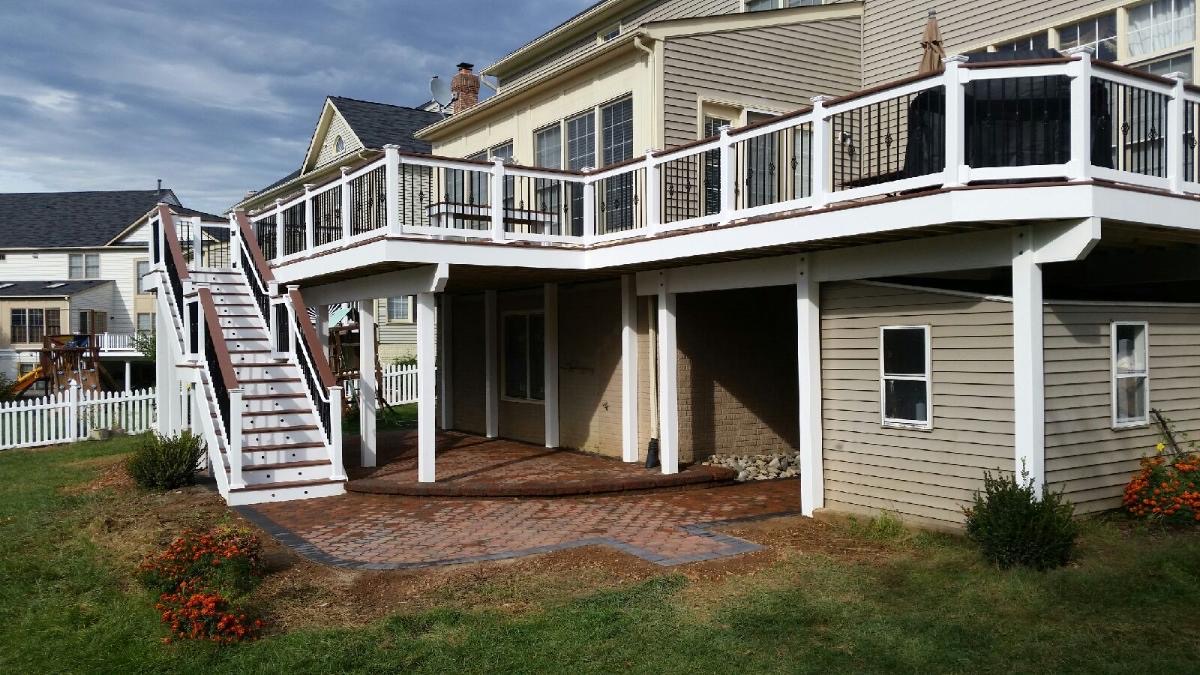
[(1167, 488), (197, 614)]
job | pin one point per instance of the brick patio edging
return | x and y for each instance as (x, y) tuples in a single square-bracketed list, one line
[(732, 545)]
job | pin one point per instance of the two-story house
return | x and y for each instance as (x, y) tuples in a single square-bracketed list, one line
[(79, 275), (695, 227)]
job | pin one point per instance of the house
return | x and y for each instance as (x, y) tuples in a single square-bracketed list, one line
[(346, 128), (689, 228), (79, 276)]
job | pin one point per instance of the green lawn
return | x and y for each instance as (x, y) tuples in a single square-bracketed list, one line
[(390, 419), (921, 604)]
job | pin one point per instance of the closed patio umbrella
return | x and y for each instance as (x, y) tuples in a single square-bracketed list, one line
[(931, 43)]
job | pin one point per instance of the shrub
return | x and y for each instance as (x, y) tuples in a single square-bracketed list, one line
[(196, 614), (1013, 527), (225, 559), (1167, 489), (166, 463)]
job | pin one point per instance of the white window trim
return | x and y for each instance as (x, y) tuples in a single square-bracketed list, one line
[(387, 310), (926, 425), (609, 29), (504, 362), (1113, 377)]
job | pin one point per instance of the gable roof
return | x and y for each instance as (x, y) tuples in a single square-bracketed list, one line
[(73, 219), (380, 124), (47, 289)]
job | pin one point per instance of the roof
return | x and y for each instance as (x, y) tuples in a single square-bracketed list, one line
[(193, 213), (380, 124), (582, 13), (48, 289), (72, 219)]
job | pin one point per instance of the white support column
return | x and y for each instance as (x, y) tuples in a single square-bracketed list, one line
[(1176, 113), (955, 117), (820, 152), (491, 375), (310, 237), (550, 362), (197, 242), (629, 369), (728, 174), (323, 328), (347, 212), (426, 389), (367, 386), (391, 172), (653, 195), (808, 352), (668, 382), (164, 366), (589, 209), (128, 376), (445, 360), (1028, 359), (280, 230), (1081, 114), (496, 199), (235, 439), (335, 434)]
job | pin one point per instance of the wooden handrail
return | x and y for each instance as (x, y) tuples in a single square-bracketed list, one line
[(251, 242), (171, 235), (310, 338), (213, 322)]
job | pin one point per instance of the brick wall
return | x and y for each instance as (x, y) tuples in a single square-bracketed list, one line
[(590, 367)]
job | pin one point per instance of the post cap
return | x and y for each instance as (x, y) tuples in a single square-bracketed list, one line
[(957, 58)]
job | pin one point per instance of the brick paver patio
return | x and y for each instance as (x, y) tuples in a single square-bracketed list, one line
[(364, 531)]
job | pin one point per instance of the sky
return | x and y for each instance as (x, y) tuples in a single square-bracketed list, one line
[(217, 97)]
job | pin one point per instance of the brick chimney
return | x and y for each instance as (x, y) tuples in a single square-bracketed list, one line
[(465, 87)]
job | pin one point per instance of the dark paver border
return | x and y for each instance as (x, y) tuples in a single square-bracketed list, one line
[(732, 545)]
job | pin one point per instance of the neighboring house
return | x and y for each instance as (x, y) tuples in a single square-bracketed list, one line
[(70, 263), (910, 280), (347, 128)]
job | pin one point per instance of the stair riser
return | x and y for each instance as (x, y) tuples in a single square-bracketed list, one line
[(239, 358), (284, 456), (257, 336), (250, 424), (285, 494), (242, 322), (287, 474), (235, 298), (242, 345), (252, 439), (271, 372), (272, 404), (257, 389)]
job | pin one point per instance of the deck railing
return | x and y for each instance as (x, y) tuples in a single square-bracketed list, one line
[(1058, 119)]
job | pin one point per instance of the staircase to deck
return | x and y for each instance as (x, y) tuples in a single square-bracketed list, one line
[(263, 396)]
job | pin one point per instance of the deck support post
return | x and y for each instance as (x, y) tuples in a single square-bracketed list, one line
[(128, 376), (1029, 396), (550, 362), (391, 172), (323, 328), (808, 352), (346, 212), (310, 235), (629, 369), (367, 385), (445, 379), (668, 381), (491, 376), (426, 389)]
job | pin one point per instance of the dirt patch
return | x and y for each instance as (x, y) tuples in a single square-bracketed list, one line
[(112, 475)]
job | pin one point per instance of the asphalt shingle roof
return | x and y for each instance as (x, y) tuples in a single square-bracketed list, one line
[(378, 124), (47, 289), (62, 219)]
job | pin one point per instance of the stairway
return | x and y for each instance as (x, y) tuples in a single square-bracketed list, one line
[(284, 450)]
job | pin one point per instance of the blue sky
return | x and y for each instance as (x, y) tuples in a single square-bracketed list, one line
[(218, 96)]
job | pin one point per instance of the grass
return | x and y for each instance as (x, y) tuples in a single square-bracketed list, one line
[(386, 419), (924, 604)]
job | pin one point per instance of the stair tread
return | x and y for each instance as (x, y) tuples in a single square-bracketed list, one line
[(270, 448), (267, 397), (287, 484), (269, 381), (278, 430), (266, 413), (282, 465)]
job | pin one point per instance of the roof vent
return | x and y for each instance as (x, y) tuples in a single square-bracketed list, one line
[(7, 285)]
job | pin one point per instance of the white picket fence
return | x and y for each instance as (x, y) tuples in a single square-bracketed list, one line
[(399, 385), (72, 415)]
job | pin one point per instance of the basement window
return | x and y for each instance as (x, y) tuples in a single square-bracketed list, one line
[(524, 367), (1130, 374), (905, 384)]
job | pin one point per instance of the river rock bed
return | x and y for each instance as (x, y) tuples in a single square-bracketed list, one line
[(759, 467)]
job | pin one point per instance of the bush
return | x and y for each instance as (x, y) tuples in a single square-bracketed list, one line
[(197, 614), (162, 463), (1013, 527), (1167, 489)]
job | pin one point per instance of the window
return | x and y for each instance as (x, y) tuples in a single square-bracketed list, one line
[(145, 323), (581, 154), (524, 367), (31, 325), (1161, 24), (142, 268), (616, 145), (83, 266), (1130, 374), (1179, 63), (712, 166), (905, 385), (53, 322), (547, 147), (339, 145), (399, 309), (609, 33), (1034, 42), (92, 322), (762, 5), (1098, 32)]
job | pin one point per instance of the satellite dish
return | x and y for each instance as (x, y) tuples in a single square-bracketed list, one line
[(440, 91)]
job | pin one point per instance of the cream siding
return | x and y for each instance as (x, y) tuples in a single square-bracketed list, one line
[(116, 264), (397, 339), (922, 475), (337, 127), (1085, 457), (774, 69)]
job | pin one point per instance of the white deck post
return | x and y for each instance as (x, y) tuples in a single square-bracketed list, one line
[(629, 369), (310, 235), (728, 174), (367, 386), (589, 209), (1176, 113), (72, 411), (445, 378), (808, 344), (391, 172), (323, 328), (491, 376), (668, 382), (335, 434), (128, 376), (164, 365), (197, 243), (1080, 165), (280, 230), (1028, 362), (496, 199), (955, 126), (550, 362), (653, 195), (820, 152), (426, 390), (347, 212)]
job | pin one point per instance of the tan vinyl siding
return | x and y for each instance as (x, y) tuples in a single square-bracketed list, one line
[(780, 67), (892, 28), (922, 475), (337, 127), (397, 339), (1085, 457)]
